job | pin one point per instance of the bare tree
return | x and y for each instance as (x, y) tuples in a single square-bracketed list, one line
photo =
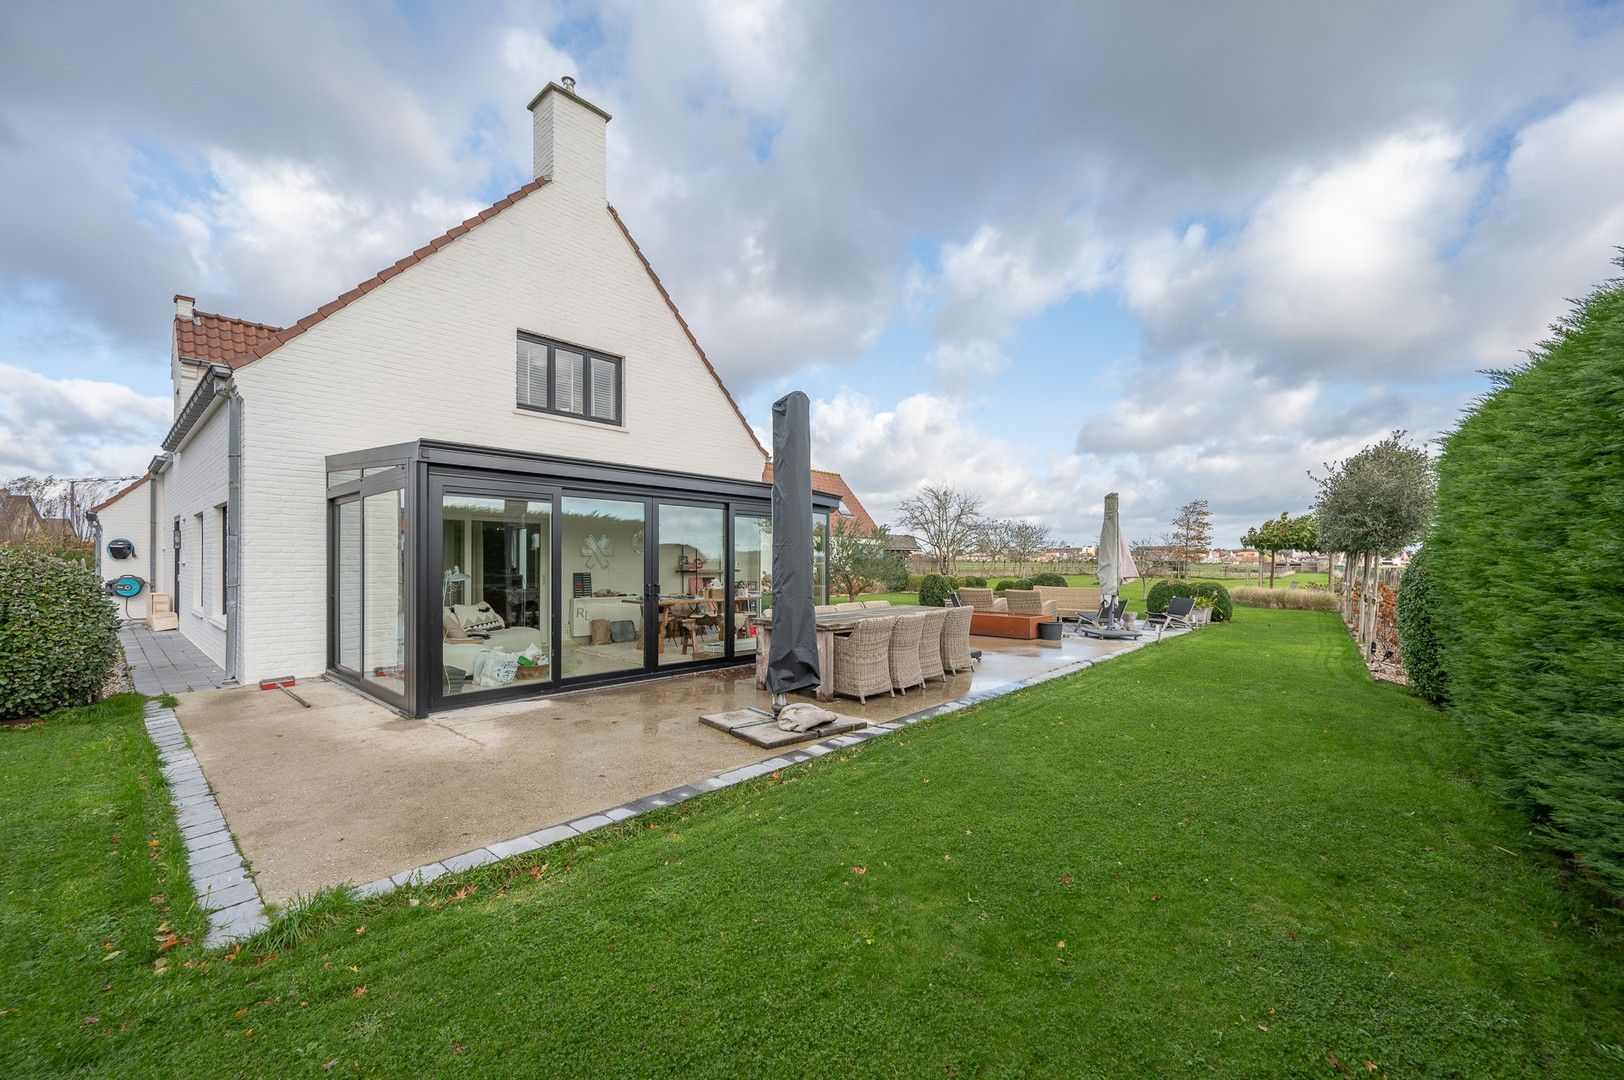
[(947, 522), (1028, 540), (996, 540), (1191, 537)]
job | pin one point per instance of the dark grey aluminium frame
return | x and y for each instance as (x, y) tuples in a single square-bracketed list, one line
[(428, 467), (588, 355)]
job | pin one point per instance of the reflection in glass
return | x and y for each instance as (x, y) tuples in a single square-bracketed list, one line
[(693, 584), (347, 570), (752, 576), (495, 595), (383, 591), (603, 543)]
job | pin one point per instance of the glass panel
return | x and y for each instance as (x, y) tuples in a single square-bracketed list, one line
[(693, 584), (602, 587), (531, 377), (752, 576), (378, 470), (342, 476), (383, 591), (347, 570), (568, 381), (496, 594), (605, 391)]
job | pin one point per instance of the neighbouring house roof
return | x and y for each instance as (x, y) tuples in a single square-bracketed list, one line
[(834, 484), (237, 342), (903, 542), (120, 493), (59, 528)]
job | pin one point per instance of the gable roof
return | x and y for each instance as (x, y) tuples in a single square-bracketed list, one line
[(834, 484), (220, 339), (238, 342), (120, 493), (19, 518)]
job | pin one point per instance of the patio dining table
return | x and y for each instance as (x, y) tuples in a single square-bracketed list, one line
[(829, 624)]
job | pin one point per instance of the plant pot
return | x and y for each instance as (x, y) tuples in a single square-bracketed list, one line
[(1200, 616)]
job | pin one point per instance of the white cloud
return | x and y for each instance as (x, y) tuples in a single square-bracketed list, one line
[(75, 427)]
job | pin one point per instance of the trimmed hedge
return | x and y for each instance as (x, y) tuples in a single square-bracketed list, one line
[(1526, 550), (933, 590), (1057, 580), (58, 634), (1420, 644), (1223, 608), (1012, 583), (973, 581)]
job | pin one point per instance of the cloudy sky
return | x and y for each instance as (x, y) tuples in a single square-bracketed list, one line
[(1038, 251)]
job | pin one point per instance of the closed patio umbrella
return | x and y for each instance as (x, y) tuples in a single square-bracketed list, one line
[(1115, 559), (792, 662)]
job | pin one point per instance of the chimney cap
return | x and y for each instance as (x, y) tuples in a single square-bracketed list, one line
[(568, 90)]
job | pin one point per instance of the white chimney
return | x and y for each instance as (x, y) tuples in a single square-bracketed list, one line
[(183, 306), (569, 139)]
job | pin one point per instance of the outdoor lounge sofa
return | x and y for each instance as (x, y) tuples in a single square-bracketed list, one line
[(982, 600), (1071, 602), (1028, 602)]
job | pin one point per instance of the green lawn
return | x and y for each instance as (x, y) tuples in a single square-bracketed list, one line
[(1231, 853)]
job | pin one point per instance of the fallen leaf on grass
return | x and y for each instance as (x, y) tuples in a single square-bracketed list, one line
[(160, 965), (1336, 1061), (167, 941), (240, 1013), (153, 842), (329, 1066), (360, 990), (1060, 944), (458, 1048), (859, 870), (1261, 1026), (1065, 879), (537, 871), (115, 953), (359, 930), (465, 892)]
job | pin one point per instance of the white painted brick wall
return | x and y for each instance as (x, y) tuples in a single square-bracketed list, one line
[(196, 484), (431, 354), (128, 519)]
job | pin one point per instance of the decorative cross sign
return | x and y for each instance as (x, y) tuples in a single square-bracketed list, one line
[(597, 551)]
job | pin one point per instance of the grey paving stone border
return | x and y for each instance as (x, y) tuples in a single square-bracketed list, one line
[(553, 834), (225, 889)]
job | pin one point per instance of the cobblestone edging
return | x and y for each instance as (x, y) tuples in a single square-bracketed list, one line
[(224, 888), (553, 834)]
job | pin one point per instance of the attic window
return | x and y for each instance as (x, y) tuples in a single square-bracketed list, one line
[(567, 380)]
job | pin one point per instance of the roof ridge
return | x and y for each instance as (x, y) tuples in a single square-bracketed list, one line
[(692, 340), (285, 334), (233, 318)]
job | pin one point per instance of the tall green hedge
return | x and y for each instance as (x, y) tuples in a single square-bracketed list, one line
[(58, 634), (1527, 553), (1421, 629)]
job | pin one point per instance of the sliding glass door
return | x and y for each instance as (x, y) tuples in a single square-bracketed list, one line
[(691, 614), (604, 573), (497, 596)]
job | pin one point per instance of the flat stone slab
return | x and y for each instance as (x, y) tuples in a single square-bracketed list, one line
[(763, 731)]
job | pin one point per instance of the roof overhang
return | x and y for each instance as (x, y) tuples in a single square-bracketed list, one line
[(210, 387)]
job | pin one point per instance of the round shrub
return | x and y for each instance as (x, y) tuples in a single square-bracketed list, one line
[(1223, 608), (1419, 643), (1056, 580), (58, 634), (911, 582), (1012, 583), (933, 590), (973, 581)]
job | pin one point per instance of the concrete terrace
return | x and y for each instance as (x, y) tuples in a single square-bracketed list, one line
[(349, 791)]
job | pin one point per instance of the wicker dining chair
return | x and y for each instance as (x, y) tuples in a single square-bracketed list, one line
[(930, 645), (956, 639), (863, 660), (905, 652)]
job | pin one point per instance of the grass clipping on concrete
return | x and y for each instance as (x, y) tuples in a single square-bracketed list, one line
[(1232, 852)]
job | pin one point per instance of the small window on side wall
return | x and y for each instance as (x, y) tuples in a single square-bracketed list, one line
[(567, 380)]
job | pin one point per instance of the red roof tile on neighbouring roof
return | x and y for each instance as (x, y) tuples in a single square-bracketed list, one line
[(834, 484), (220, 339), (120, 493)]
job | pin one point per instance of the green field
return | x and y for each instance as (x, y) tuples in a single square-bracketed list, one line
[(1231, 853)]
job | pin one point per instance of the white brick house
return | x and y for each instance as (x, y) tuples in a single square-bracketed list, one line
[(507, 444)]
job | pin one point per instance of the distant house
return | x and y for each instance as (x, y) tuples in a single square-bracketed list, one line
[(851, 509), (22, 523)]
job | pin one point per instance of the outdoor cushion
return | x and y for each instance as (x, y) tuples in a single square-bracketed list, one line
[(451, 624)]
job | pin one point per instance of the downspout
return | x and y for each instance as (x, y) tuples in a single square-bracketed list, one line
[(234, 405), (156, 468)]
